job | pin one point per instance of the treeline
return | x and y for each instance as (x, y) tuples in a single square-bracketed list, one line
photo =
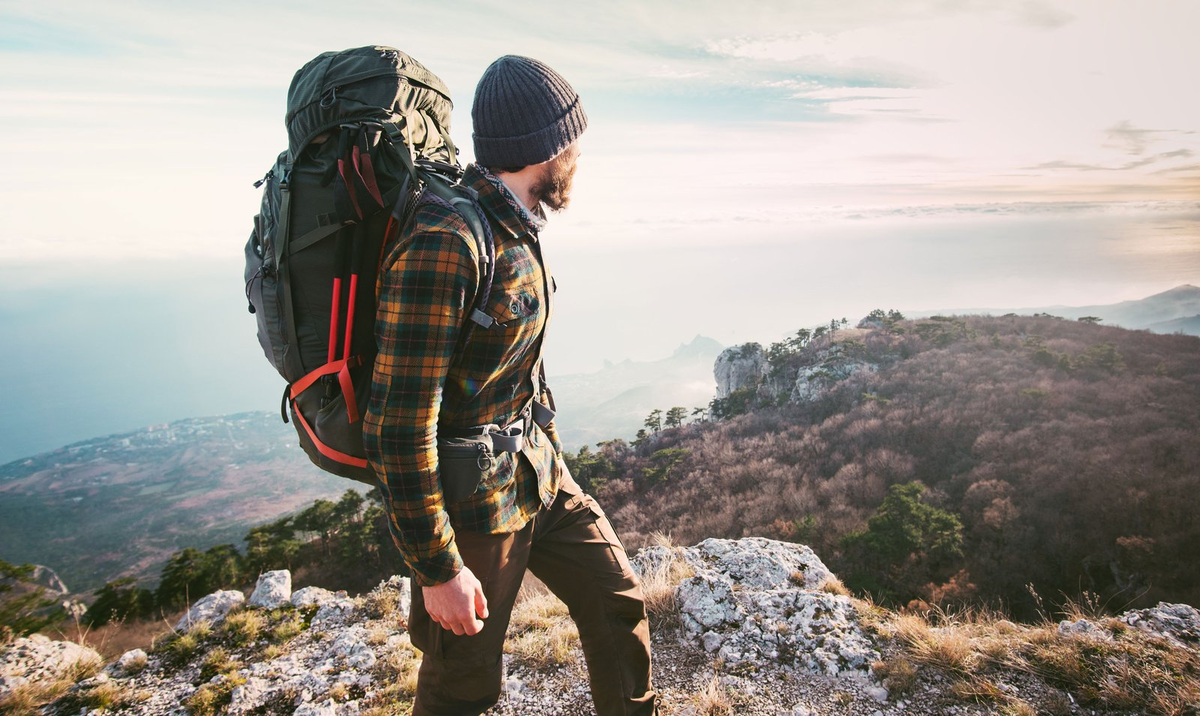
[(339, 545), (981, 456)]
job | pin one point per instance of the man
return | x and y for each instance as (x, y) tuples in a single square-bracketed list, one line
[(469, 557)]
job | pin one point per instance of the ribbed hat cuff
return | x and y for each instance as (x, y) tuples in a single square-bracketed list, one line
[(535, 147)]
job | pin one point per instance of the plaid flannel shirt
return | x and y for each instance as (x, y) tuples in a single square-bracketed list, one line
[(426, 289)]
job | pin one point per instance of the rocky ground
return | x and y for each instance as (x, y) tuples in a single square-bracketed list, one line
[(748, 626)]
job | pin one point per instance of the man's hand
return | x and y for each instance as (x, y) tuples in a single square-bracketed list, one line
[(455, 604)]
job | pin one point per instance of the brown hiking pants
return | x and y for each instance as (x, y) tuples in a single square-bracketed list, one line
[(573, 549)]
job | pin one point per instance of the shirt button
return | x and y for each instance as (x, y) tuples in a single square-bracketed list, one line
[(516, 308)]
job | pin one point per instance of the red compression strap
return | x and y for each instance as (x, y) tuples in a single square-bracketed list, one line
[(334, 309), (350, 317), (325, 449), (348, 394), (328, 369)]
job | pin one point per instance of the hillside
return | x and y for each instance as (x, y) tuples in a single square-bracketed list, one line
[(1052, 453), (1171, 311), (120, 505)]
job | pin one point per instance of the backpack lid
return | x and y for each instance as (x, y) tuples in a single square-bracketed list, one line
[(364, 83)]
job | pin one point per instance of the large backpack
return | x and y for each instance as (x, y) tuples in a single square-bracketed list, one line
[(368, 140)]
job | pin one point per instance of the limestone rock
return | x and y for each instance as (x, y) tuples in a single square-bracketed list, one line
[(739, 367), (274, 589), (37, 658), (211, 609), (1083, 628), (132, 661), (310, 596), (1178, 622), (756, 599)]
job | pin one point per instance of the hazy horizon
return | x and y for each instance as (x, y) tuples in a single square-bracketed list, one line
[(744, 174)]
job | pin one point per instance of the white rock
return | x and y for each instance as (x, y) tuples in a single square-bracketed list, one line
[(1178, 622), (1083, 628), (131, 661), (248, 696), (211, 609), (878, 693), (309, 596), (37, 658), (325, 708), (273, 589), (776, 613)]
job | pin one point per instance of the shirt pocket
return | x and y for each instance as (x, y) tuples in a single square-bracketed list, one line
[(516, 306)]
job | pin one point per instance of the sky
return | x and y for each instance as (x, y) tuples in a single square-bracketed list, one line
[(749, 168)]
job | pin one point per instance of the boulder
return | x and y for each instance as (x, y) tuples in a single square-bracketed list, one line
[(211, 609), (758, 600), (39, 659), (274, 589)]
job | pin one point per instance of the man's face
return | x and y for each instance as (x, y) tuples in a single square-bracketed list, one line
[(553, 189)]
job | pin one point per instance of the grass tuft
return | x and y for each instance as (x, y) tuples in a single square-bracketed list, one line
[(243, 627), (540, 629), (712, 700)]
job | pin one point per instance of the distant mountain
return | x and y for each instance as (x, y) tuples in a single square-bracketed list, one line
[(614, 401), (1158, 313), (1190, 326), (120, 505)]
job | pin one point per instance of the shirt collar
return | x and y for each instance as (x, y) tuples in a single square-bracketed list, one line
[(499, 201)]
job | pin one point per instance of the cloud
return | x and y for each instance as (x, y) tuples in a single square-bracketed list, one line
[(1043, 15), (1137, 164), (1132, 140)]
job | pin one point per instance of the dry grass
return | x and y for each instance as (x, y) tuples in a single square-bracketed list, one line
[(109, 696), (941, 647), (397, 671), (898, 674), (540, 630), (383, 603), (243, 627), (659, 583), (833, 585), (28, 699), (1128, 670), (212, 698), (288, 629), (712, 700), (377, 634), (218, 661)]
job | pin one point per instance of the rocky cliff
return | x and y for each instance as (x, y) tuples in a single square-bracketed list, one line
[(749, 626)]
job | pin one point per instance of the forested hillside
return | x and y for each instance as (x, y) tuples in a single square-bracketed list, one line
[(963, 459)]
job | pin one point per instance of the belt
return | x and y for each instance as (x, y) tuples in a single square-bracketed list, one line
[(511, 437)]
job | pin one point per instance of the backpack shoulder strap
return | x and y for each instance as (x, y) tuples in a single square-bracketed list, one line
[(464, 201)]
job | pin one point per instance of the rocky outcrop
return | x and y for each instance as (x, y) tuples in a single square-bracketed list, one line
[(211, 609), (739, 368), (37, 659), (274, 589), (799, 375), (757, 600)]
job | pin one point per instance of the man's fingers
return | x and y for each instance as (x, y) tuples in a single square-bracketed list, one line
[(473, 627), (480, 603)]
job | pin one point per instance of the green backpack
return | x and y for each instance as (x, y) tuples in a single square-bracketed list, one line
[(368, 141)]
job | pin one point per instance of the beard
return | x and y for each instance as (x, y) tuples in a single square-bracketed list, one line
[(553, 190)]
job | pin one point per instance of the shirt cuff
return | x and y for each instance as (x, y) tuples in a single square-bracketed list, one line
[(439, 568)]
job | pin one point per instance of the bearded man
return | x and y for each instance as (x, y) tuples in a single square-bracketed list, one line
[(432, 381)]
